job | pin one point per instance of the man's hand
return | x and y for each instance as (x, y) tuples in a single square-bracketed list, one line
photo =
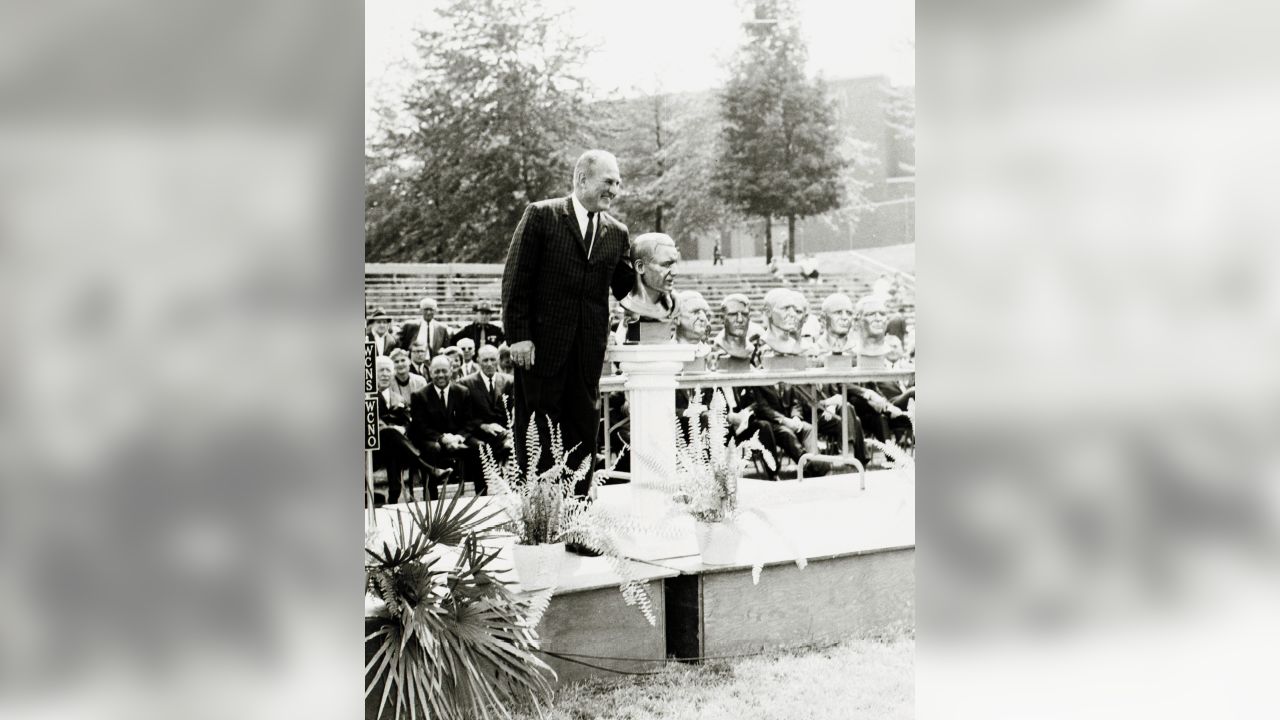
[(494, 429), (453, 441), (522, 354)]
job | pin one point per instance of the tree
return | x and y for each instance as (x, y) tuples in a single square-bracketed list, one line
[(780, 154), (667, 146), (496, 115)]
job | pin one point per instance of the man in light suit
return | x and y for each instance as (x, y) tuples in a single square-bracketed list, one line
[(469, 365), (430, 331), (567, 254)]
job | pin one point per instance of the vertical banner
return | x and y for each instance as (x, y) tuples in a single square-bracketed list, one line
[(371, 423)]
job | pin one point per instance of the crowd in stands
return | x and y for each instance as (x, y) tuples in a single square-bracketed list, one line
[(444, 392)]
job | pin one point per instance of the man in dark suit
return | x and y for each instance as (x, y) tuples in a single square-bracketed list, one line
[(419, 358), (430, 331), (566, 255), (780, 406), (378, 331), (481, 332), (438, 415), (488, 392)]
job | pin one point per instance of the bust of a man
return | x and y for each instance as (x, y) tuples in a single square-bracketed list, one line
[(654, 257), (873, 325), (695, 317), (782, 310), (837, 337), (734, 340)]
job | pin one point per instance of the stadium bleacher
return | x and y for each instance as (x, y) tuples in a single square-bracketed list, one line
[(397, 288)]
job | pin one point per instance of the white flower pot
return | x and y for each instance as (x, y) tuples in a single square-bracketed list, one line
[(718, 542), (537, 566)]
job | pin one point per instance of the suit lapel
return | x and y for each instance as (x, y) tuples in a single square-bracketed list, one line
[(571, 219)]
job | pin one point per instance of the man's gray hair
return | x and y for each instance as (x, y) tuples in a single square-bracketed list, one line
[(645, 245), (587, 162)]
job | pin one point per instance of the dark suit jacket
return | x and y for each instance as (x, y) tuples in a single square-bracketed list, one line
[(388, 341), (485, 408), (774, 405), (438, 340), (552, 293), (480, 333), (429, 419), (397, 415)]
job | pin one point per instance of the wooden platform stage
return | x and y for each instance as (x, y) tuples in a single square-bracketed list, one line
[(860, 579)]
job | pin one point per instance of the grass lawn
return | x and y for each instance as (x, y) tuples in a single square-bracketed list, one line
[(855, 679)]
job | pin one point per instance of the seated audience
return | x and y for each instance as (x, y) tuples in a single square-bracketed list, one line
[(454, 355), (779, 406), (439, 415), (395, 452), (876, 413), (489, 393), (418, 358), (406, 382), (836, 337), (468, 366)]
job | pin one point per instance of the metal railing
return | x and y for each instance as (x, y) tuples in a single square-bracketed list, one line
[(759, 377)]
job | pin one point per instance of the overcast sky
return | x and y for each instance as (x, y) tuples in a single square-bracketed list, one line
[(681, 44)]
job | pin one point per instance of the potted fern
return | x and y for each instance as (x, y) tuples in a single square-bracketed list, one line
[(543, 513), (709, 466)]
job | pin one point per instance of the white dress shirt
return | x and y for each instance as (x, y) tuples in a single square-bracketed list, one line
[(580, 211)]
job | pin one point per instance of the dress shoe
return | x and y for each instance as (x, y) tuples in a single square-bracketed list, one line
[(441, 474), (578, 548)]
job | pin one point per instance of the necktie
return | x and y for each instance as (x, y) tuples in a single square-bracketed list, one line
[(591, 233), (444, 397)]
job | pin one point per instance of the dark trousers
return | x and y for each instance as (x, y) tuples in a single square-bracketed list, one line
[(569, 399), (830, 429), (463, 459), (397, 455)]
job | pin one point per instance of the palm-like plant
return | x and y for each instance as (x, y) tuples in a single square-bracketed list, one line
[(449, 639), (542, 507)]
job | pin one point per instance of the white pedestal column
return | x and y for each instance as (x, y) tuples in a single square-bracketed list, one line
[(651, 384)]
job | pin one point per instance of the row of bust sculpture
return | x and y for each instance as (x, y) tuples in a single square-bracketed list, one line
[(654, 313)]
